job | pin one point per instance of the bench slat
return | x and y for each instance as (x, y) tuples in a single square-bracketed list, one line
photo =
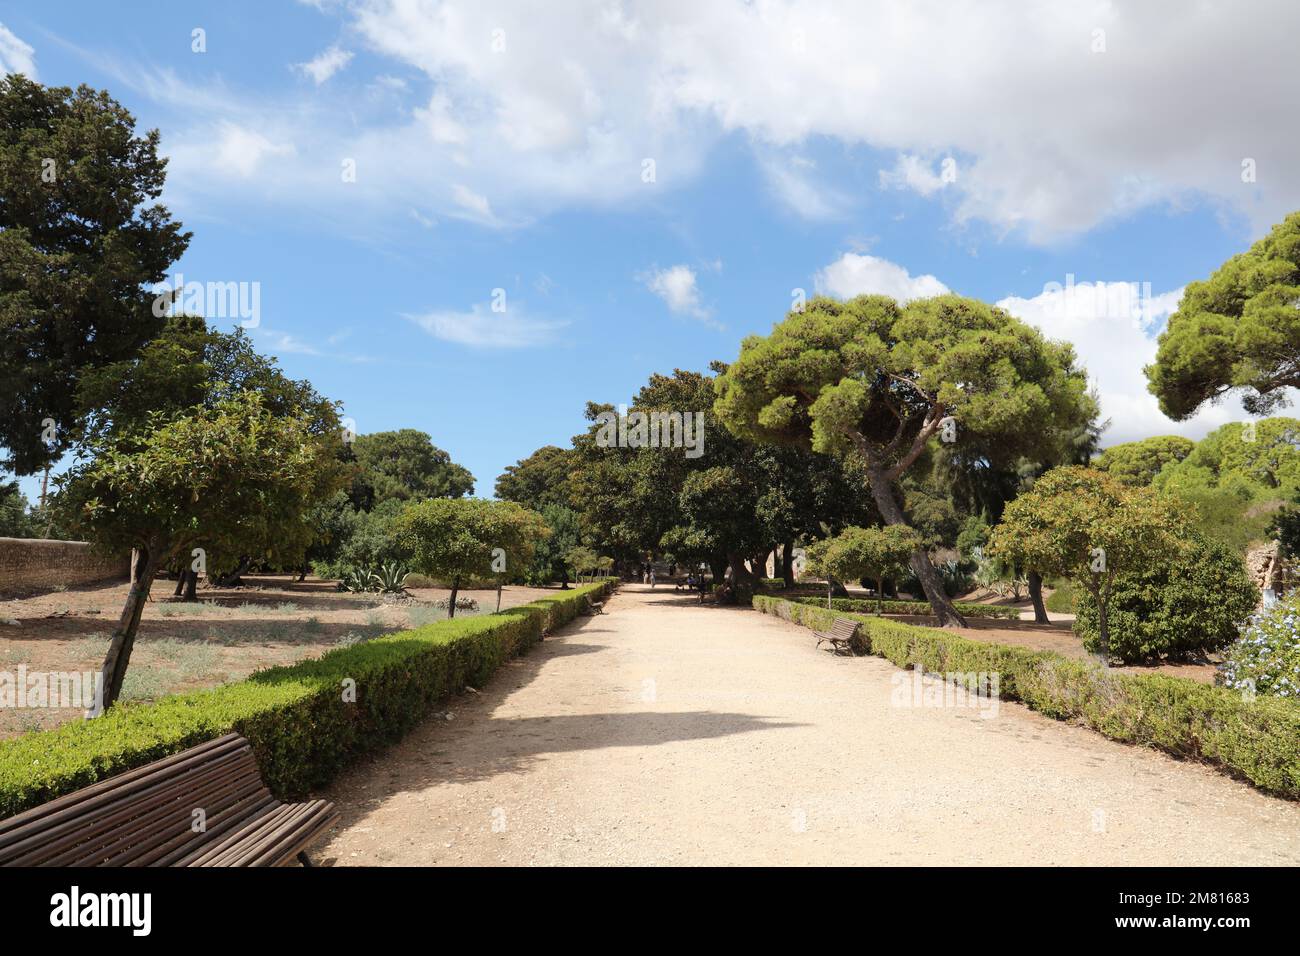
[(144, 817)]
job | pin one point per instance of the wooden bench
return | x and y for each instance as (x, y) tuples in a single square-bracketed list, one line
[(840, 636), (147, 817)]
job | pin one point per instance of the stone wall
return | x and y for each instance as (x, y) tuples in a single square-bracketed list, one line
[(37, 564)]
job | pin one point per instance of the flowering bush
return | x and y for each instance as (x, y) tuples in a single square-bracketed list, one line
[(1267, 654)]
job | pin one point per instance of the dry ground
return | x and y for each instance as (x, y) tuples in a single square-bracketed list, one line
[(225, 636), (669, 732)]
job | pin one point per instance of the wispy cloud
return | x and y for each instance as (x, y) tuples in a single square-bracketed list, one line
[(321, 67), (16, 56), (484, 329)]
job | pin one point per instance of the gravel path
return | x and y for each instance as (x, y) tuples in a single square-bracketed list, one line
[(666, 732)]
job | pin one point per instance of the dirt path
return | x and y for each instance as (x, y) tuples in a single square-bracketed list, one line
[(666, 732)]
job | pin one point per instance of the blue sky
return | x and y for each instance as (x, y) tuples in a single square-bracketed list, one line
[(794, 145)]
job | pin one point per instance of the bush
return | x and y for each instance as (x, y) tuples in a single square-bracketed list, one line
[(1258, 739), (1195, 602), (1063, 597), (301, 729), (1267, 657), (868, 606)]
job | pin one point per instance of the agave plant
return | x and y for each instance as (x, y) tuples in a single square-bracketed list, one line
[(390, 578), (357, 580)]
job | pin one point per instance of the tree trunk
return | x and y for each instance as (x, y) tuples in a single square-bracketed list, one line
[(787, 563), (946, 612), (451, 601), (1036, 596), (880, 597), (564, 579), (119, 648), (191, 584), (739, 573), (498, 594)]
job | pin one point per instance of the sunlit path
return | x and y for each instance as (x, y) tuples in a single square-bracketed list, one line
[(670, 732)]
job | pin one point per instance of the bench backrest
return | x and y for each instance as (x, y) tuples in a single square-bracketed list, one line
[(845, 628), (144, 817)]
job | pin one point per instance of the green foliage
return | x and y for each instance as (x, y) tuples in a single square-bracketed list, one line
[(1266, 659), (1238, 329), (1064, 596), (1138, 462), (550, 561), (873, 553), (1258, 740), (233, 480), (405, 465), (861, 606), (1086, 525), (1190, 602), (302, 729), (869, 377), (880, 383), (454, 539), (16, 520), (539, 481), (79, 254)]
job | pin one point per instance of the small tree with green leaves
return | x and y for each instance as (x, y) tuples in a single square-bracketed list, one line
[(1085, 525), (875, 553), (460, 539), (230, 480)]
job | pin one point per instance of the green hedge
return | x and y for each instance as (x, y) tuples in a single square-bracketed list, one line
[(301, 729), (868, 606), (1258, 739)]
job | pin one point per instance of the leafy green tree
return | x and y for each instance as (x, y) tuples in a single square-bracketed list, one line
[(460, 539), (1237, 330), (1138, 462), (405, 465), (81, 241), (1087, 526), (550, 562), (16, 520), (231, 480), (1193, 601), (880, 382), (539, 480), (188, 367), (874, 553), (1236, 478)]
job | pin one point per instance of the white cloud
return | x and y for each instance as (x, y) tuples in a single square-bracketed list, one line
[(240, 151), (853, 274), (792, 182), (485, 329), (677, 286), (1113, 326), (912, 172), (1053, 138), (15, 55), (326, 64)]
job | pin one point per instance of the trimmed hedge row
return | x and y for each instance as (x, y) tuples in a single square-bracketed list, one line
[(1258, 739), (868, 606), (302, 730)]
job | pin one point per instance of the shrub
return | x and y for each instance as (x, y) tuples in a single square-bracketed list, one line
[(1195, 602), (1267, 657), (1063, 597), (1258, 739), (301, 728), (862, 606)]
